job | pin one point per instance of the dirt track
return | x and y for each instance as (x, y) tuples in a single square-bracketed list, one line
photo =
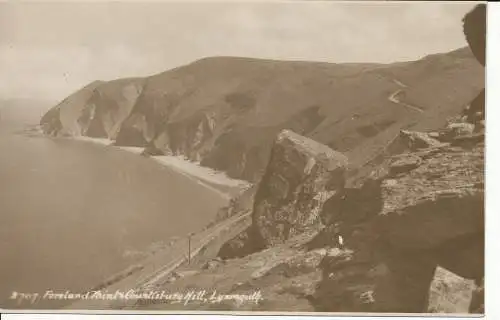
[(394, 97)]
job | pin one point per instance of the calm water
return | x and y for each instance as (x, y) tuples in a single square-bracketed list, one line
[(70, 211)]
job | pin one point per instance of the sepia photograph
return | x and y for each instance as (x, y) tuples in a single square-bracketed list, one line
[(242, 157)]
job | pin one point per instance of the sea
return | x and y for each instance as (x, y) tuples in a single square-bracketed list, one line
[(73, 213)]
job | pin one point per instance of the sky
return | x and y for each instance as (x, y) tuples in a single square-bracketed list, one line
[(50, 49)]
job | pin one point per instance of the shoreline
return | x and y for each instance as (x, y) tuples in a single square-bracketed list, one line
[(214, 180), (158, 263)]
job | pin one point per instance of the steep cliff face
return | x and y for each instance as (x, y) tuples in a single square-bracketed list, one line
[(108, 107), (226, 112), (301, 176), (97, 110)]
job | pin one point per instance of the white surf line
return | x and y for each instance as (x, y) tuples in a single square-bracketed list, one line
[(134, 150), (195, 168), (99, 141), (196, 179), (201, 175), (394, 97)]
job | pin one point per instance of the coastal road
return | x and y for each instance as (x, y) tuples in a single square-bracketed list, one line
[(158, 267)]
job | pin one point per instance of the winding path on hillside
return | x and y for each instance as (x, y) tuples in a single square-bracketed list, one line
[(394, 97)]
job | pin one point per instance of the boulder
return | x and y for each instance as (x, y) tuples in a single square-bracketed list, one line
[(212, 264), (239, 246), (450, 293), (456, 130), (301, 176), (301, 263), (460, 128), (404, 164), (415, 140)]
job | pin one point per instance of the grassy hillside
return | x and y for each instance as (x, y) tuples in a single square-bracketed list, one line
[(226, 111)]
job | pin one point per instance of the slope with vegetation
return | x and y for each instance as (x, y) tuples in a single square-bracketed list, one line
[(226, 111)]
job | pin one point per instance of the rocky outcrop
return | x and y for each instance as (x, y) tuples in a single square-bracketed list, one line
[(438, 188), (301, 176), (450, 293), (431, 214), (474, 28)]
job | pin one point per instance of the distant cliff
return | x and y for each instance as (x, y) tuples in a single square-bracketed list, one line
[(226, 111)]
